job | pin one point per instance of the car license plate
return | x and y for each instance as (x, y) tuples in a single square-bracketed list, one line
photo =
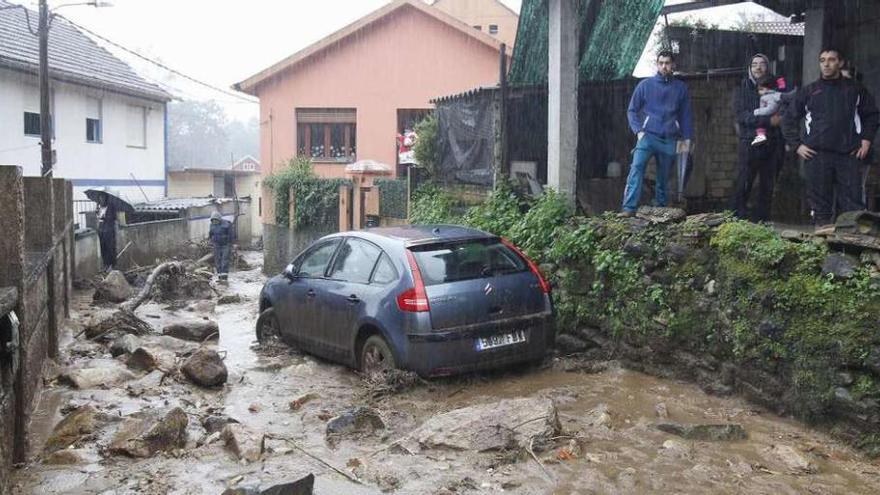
[(501, 340)]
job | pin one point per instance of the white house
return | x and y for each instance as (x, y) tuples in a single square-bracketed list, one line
[(109, 123)]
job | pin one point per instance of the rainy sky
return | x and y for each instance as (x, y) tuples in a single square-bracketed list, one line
[(226, 41)]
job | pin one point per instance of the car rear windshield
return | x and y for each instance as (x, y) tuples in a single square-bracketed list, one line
[(466, 260)]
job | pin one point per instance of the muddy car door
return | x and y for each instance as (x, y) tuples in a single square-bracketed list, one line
[(297, 310), (347, 292)]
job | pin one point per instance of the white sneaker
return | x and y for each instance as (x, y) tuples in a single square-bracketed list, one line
[(759, 139)]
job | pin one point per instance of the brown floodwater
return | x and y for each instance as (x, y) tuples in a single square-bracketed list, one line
[(610, 416)]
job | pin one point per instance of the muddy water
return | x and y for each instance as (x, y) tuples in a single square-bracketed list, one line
[(611, 416)]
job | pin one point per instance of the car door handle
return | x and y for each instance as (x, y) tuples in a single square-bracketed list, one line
[(353, 299), (311, 293)]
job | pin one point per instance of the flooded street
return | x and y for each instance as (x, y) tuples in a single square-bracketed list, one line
[(606, 439)]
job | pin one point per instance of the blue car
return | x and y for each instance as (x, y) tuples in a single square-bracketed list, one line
[(434, 299)]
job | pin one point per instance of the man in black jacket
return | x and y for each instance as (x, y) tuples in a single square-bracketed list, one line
[(840, 122), (764, 161)]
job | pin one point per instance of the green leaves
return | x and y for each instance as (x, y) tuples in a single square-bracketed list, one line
[(316, 199)]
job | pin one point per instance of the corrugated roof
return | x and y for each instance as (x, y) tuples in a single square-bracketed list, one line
[(174, 204), (777, 27), (73, 56)]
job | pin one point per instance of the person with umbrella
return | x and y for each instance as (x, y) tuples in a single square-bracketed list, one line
[(220, 235), (107, 215)]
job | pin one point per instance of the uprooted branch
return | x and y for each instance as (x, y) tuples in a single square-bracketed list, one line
[(171, 267)]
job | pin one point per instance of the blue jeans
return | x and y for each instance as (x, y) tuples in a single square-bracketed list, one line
[(663, 150), (221, 258)]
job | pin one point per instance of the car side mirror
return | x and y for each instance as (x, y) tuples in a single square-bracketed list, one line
[(290, 272)]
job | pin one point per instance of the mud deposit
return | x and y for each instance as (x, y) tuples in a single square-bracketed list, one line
[(605, 435)]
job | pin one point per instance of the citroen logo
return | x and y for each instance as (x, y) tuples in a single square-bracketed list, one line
[(488, 289)]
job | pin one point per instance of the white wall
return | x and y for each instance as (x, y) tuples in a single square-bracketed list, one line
[(108, 163)]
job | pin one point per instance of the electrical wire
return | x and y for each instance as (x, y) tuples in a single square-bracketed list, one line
[(160, 64)]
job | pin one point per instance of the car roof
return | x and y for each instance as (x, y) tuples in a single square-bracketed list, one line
[(412, 235)]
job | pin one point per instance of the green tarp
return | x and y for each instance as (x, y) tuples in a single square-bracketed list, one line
[(615, 44)]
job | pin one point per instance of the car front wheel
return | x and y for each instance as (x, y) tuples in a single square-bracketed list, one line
[(268, 329), (376, 356)]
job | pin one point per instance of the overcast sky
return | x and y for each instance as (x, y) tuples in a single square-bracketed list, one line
[(225, 41)]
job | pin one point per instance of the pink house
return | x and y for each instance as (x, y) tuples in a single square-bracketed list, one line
[(346, 97)]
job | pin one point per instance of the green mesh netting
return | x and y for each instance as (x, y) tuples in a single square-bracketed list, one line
[(616, 41)]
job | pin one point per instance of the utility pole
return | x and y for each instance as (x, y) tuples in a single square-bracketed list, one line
[(45, 120)]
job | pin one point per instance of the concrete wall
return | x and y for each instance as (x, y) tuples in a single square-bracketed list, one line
[(152, 242), (483, 13), (108, 163), (87, 261), (282, 244), (400, 61)]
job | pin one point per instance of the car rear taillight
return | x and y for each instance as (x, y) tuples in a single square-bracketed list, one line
[(414, 300), (545, 287)]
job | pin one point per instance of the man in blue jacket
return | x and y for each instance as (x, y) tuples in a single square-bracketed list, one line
[(220, 235), (660, 116)]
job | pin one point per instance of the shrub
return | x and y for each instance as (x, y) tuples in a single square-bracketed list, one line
[(317, 199)]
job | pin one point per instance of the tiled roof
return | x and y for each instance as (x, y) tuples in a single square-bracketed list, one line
[(73, 56), (777, 27)]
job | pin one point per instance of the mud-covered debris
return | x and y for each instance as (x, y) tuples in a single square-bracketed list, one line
[(569, 344), (230, 299), (296, 404), (721, 432), (182, 285), (304, 486), (202, 307), (216, 423), (78, 423), (357, 421), (513, 423), (790, 459), (147, 385), (119, 323), (661, 410), (205, 368), (194, 330), (99, 377), (149, 358), (113, 288), (242, 442), (125, 344), (67, 457), (150, 433), (598, 417), (390, 381)]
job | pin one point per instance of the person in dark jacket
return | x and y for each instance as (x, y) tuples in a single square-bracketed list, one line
[(756, 162), (220, 235), (659, 115), (107, 216), (840, 121)]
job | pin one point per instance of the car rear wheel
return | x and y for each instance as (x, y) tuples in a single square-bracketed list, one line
[(268, 329), (376, 356)]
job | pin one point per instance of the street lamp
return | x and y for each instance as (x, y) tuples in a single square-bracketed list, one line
[(47, 158)]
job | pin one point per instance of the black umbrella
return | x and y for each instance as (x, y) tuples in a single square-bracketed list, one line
[(112, 197)]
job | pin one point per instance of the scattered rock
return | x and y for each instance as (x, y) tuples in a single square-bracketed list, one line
[(303, 486), (494, 426), (840, 265), (230, 299), (107, 376), (598, 417), (147, 385), (569, 344), (354, 421), (254, 408), (172, 344), (202, 307), (66, 457), (205, 368), (658, 214), (296, 404), (194, 330), (637, 248), (114, 288), (120, 322), (125, 344), (152, 433), (676, 448), (724, 432), (245, 444), (792, 459), (81, 421), (678, 253), (216, 423), (148, 358), (661, 410)]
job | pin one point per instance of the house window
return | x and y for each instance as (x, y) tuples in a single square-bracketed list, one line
[(93, 120), (327, 134), (478, 27), (136, 127), (493, 29), (31, 124)]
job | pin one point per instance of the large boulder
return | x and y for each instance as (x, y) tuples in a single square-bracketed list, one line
[(194, 330), (148, 358), (205, 368), (494, 426), (150, 433), (356, 421), (126, 344), (114, 288), (244, 443), (98, 377), (78, 423)]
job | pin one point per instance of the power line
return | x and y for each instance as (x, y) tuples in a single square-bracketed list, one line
[(160, 64)]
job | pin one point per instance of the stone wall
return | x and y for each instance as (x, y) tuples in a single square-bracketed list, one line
[(150, 242), (36, 261), (282, 244)]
